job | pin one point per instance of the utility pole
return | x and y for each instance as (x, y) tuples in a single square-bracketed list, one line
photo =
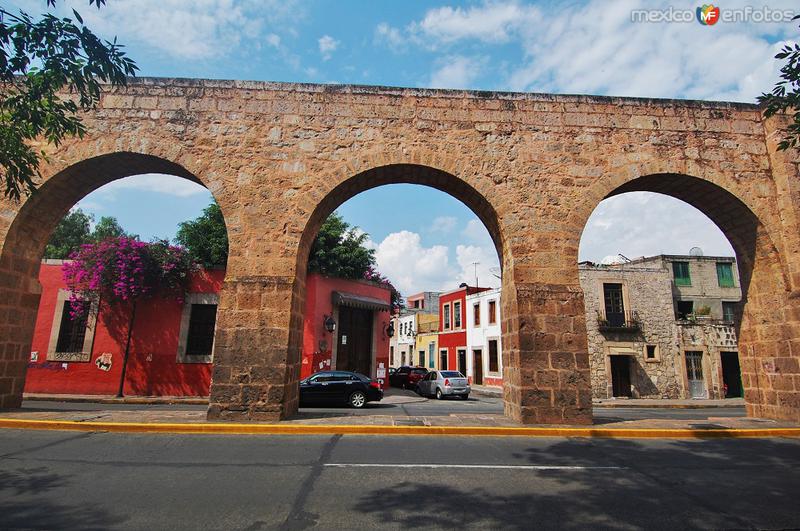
[(475, 265)]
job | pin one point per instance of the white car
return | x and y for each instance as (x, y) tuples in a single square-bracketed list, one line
[(444, 383)]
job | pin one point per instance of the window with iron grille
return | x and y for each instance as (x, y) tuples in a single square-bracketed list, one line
[(728, 311), (200, 339), (447, 317), (476, 313), (72, 332), (614, 306), (492, 312), (456, 315)]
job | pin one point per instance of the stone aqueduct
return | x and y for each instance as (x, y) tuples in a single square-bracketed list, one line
[(280, 157)]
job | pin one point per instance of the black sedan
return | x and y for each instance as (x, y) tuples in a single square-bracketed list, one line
[(340, 387)]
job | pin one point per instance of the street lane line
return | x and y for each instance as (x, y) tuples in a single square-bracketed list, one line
[(493, 467)]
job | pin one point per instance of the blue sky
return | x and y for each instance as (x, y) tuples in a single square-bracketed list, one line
[(590, 47)]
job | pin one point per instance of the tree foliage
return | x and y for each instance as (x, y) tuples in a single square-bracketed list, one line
[(206, 237), (339, 251), (75, 230), (785, 95), (71, 232), (40, 60)]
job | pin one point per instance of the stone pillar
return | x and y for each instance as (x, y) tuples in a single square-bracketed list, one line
[(545, 354), (19, 301), (256, 351)]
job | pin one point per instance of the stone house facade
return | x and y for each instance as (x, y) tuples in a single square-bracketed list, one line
[(663, 327)]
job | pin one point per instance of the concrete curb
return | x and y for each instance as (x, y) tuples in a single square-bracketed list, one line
[(308, 429), (663, 406), (114, 400)]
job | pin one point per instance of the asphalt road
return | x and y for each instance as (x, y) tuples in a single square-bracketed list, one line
[(422, 408), (66, 480)]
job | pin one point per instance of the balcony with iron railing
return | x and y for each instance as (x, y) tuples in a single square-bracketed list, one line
[(626, 321)]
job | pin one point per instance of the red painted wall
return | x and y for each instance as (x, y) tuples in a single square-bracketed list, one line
[(317, 342), (153, 369), (453, 340)]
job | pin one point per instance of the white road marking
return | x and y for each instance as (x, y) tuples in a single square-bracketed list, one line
[(504, 467)]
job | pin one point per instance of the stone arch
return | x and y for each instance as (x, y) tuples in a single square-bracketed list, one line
[(764, 336), (386, 174), (26, 236)]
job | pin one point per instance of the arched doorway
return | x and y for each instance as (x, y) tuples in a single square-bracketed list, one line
[(23, 249)]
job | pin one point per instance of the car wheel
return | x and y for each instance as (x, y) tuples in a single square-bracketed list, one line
[(357, 400), (439, 394)]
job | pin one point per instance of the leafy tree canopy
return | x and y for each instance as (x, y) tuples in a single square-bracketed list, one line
[(75, 230), (339, 251), (39, 61), (206, 238), (785, 95)]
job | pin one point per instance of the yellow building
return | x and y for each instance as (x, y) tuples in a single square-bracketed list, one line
[(426, 345)]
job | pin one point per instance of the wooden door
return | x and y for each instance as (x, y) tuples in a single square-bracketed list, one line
[(620, 376), (477, 367), (354, 344)]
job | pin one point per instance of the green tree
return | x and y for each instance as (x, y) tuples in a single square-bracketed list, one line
[(205, 238), (39, 61), (785, 95), (70, 234), (339, 251), (108, 227)]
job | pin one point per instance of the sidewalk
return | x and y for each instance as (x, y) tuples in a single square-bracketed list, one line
[(112, 399)]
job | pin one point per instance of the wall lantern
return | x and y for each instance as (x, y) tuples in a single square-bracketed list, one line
[(390, 330), (329, 323)]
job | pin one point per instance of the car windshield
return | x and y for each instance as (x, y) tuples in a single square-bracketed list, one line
[(452, 374), (363, 377)]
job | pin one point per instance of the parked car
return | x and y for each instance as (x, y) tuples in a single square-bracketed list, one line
[(444, 383), (407, 377), (340, 387)]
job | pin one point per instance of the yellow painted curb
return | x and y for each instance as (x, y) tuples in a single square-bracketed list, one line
[(310, 429)]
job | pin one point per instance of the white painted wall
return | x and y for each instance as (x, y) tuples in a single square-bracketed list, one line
[(479, 336)]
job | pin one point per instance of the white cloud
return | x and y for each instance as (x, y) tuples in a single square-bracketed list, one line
[(444, 224), (273, 40), (456, 71), (154, 182), (199, 29), (472, 258), (327, 45), (596, 48), (410, 266), (391, 36), (645, 224), (491, 22)]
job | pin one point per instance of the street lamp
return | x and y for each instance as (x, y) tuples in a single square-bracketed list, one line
[(390, 329), (329, 323)]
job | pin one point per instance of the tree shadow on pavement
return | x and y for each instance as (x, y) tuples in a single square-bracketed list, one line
[(22, 505), (656, 485)]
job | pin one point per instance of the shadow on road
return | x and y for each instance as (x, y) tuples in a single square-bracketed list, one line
[(674, 485), (22, 505)]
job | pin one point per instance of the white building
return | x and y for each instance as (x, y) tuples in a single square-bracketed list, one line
[(485, 359), (404, 335)]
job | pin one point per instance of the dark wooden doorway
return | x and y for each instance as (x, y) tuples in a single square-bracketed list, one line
[(354, 343), (477, 367), (620, 376), (731, 374), (462, 361)]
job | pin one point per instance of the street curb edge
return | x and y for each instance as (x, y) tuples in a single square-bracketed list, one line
[(308, 429)]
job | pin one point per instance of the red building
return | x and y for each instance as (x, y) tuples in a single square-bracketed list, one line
[(359, 310), (453, 328), (170, 352), (172, 341)]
